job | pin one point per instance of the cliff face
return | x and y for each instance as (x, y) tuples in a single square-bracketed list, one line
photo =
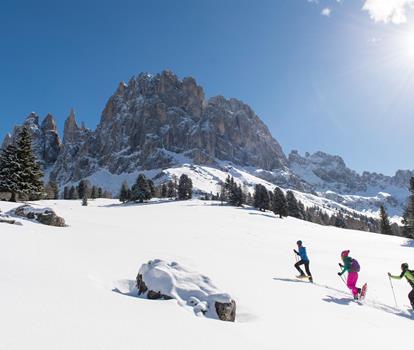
[(157, 121)]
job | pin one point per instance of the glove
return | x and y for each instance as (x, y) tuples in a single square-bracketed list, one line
[(389, 274), (339, 274), (340, 265), (295, 252)]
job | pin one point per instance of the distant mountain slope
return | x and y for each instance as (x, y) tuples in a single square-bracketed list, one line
[(330, 177)]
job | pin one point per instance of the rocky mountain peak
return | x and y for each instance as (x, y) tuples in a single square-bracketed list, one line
[(49, 124), (71, 129), (32, 120)]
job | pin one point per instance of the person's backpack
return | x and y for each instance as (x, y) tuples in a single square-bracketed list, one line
[(355, 266)]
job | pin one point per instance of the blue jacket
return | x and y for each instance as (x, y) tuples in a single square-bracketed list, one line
[(302, 254)]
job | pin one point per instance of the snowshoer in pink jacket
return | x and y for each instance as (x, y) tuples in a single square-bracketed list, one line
[(352, 267)]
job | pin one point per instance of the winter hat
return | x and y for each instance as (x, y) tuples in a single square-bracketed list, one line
[(404, 266), (299, 242), (344, 254)]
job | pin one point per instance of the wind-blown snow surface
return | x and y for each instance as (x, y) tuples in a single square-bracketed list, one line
[(60, 287)]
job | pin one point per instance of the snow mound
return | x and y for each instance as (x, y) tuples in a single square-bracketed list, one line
[(191, 289)]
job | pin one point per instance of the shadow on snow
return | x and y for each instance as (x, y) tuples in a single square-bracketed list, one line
[(346, 299)]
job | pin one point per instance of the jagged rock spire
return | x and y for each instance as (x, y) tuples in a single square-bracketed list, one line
[(71, 128), (49, 124)]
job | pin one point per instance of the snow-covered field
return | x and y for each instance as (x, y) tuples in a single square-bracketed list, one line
[(60, 286)]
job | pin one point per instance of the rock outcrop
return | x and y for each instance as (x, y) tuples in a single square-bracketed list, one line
[(162, 280), (153, 121), (45, 216)]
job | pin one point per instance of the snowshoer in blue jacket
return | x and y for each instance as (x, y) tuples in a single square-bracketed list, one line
[(304, 260)]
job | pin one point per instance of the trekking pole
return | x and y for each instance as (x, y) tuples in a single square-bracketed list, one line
[(392, 288), (343, 280)]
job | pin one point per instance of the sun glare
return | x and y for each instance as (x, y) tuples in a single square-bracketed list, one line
[(406, 44)]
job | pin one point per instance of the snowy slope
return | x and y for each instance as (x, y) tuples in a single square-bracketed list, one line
[(207, 179), (58, 284)]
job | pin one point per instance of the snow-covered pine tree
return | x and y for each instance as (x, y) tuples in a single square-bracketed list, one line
[(171, 189), (408, 217), (141, 190), (124, 193), (279, 204), (30, 174), (261, 198), (10, 172), (385, 225), (185, 187)]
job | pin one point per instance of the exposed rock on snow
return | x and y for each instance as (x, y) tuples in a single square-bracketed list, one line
[(45, 216), (159, 279), (6, 219)]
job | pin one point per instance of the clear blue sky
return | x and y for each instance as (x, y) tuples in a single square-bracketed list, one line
[(323, 75)]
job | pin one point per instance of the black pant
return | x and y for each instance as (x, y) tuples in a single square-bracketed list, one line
[(306, 263), (411, 297)]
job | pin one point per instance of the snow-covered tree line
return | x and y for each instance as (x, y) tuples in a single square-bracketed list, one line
[(144, 189)]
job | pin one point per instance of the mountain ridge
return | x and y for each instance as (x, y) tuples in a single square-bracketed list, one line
[(160, 121)]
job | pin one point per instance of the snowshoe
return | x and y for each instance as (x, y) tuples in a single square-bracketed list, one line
[(301, 277), (363, 292)]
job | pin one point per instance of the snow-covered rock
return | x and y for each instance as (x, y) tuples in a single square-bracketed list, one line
[(45, 216), (159, 279)]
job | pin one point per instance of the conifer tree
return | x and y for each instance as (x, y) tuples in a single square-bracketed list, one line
[(293, 206), (163, 191), (100, 192), (30, 174), (52, 190), (385, 225), (73, 193), (171, 189), (261, 198), (185, 187), (85, 199), (408, 217), (279, 205), (141, 190), (151, 187), (66, 194), (82, 188), (124, 193), (94, 193), (10, 172)]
